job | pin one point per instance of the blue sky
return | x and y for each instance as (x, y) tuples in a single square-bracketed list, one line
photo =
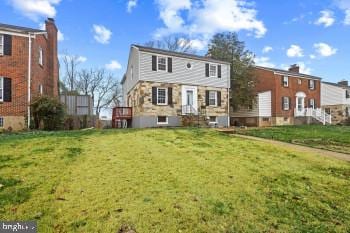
[(315, 34)]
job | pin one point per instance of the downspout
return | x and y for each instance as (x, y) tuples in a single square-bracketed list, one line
[(228, 97), (29, 76)]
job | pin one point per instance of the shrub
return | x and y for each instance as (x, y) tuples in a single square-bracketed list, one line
[(48, 113)]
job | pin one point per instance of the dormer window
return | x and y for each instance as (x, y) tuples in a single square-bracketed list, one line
[(285, 81), (41, 59), (1, 45), (162, 63)]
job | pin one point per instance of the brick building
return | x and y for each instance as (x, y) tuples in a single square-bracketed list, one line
[(28, 68), (283, 98)]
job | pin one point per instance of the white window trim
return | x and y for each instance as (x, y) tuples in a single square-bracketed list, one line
[(41, 56), (166, 63), (285, 83), (166, 96), (216, 99), (216, 70), (2, 89), (41, 90), (213, 122), (2, 43), (313, 84), (286, 103), (163, 123), (313, 103), (2, 121)]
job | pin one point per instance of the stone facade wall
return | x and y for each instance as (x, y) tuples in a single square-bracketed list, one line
[(140, 99), (339, 113)]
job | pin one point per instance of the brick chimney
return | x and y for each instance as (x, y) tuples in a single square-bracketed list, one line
[(294, 68), (344, 83), (52, 31)]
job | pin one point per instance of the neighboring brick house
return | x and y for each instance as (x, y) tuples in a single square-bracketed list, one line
[(164, 88), (28, 68), (335, 100), (283, 98)]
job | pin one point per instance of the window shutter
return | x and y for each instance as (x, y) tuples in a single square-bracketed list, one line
[(170, 65), (154, 95), (219, 71), (282, 103), (315, 105), (282, 81), (7, 90), (170, 95), (207, 70), (309, 83), (154, 63), (8, 45), (207, 98), (290, 103), (219, 98)]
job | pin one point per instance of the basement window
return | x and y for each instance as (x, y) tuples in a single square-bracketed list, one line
[(1, 122), (213, 120), (162, 120)]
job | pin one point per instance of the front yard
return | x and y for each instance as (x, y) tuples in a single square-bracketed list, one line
[(169, 180), (333, 138)]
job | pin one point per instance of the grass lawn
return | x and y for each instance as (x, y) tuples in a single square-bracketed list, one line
[(334, 138), (169, 180)]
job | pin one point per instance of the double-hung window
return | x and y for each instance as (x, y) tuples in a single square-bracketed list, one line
[(162, 63), (1, 45), (285, 81), (1, 89), (312, 84), (162, 98), (41, 59), (312, 103), (213, 100), (286, 103), (213, 70)]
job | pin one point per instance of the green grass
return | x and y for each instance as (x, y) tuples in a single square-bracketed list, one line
[(169, 180), (333, 138)]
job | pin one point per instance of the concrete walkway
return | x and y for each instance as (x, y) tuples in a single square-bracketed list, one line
[(341, 156)]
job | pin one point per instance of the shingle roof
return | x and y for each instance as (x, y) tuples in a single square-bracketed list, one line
[(19, 29), (177, 54), (288, 73), (337, 85)]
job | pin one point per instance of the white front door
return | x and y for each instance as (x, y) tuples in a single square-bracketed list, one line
[(189, 99), (300, 104)]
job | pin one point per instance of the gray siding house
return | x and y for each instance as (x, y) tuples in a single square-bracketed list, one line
[(164, 88)]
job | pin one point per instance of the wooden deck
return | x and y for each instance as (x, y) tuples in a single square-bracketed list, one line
[(121, 117)]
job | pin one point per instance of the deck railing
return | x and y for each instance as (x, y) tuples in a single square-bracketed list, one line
[(122, 113)]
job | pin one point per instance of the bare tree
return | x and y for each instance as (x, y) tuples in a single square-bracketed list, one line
[(103, 88), (172, 43), (70, 63)]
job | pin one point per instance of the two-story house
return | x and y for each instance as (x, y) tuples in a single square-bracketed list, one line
[(28, 68), (335, 100), (164, 87), (283, 98)]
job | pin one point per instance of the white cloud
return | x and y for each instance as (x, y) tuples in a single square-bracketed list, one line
[(327, 18), (60, 36), (102, 34), (113, 65), (344, 5), (204, 18), (198, 44), (267, 49), (264, 61), (347, 17), (324, 49), (81, 59), (131, 5), (34, 9), (295, 51), (312, 56)]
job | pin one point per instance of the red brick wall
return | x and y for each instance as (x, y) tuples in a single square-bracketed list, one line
[(16, 68), (267, 80)]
